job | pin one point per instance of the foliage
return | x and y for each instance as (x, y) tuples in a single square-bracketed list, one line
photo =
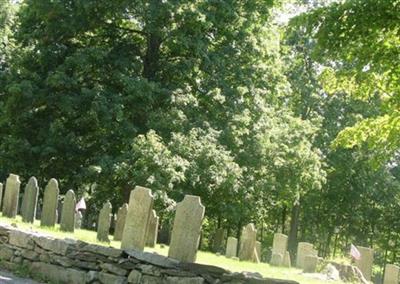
[(358, 42)]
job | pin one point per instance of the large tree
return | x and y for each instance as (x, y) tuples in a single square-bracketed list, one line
[(358, 43)]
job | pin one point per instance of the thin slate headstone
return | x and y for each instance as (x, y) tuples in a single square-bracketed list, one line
[(259, 250), (310, 264), (50, 204), (104, 223), (137, 219), (11, 196), (186, 230), (1, 194), (67, 223), (231, 247), (219, 239), (279, 245), (287, 262), (303, 250), (365, 262), (78, 220), (29, 201), (119, 226), (392, 273), (276, 259), (152, 231), (248, 243)]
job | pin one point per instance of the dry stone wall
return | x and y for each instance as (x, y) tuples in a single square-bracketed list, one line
[(75, 262)]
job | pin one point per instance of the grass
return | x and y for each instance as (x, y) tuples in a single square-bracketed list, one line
[(202, 257)]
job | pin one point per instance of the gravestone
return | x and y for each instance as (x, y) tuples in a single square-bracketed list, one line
[(152, 231), (248, 243), (1, 194), (68, 212), (365, 262), (286, 260), (391, 274), (50, 204), (11, 196), (303, 250), (219, 238), (78, 220), (29, 201), (259, 250), (279, 245), (119, 226), (231, 247), (137, 219), (186, 229), (276, 259), (310, 264), (104, 222)]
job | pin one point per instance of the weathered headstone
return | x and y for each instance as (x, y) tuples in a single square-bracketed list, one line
[(29, 201), (219, 239), (276, 259), (67, 223), (152, 230), (303, 250), (119, 226), (11, 195), (310, 264), (104, 222), (231, 247), (137, 219), (50, 204), (286, 260), (1, 194), (365, 262), (279, 245), (391, 274), (78, 220), (186, 230), (259, 250), (248, 243)]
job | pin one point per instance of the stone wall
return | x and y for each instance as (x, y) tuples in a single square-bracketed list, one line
[(72, 261)]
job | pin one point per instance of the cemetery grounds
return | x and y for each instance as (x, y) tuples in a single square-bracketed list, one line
[(202, 257)]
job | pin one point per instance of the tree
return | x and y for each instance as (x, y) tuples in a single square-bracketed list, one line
[(358, 42)]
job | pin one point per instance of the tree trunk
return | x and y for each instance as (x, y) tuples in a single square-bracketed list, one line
[(294, 225), (283, 220)]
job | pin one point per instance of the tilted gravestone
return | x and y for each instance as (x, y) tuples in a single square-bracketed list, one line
[(248, 243), (391, 274), (137, 219), (50, 204), (276, 259), (279, 245), (29, 201), (310, 264), (231, 247), (1, 194), (259, 249), (78, 220), (287, 262), (11, 195), (152, 231), (186, 229), (365, 262), (219, 239), (67, 223), (119, 226), (303, 250), (104, 222)]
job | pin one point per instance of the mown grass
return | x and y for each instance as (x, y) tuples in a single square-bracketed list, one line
[(202, 257)]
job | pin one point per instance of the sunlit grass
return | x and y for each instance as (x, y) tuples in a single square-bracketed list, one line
[(202, 257)]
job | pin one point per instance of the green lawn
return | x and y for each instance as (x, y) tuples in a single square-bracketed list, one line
[(202, 257)]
